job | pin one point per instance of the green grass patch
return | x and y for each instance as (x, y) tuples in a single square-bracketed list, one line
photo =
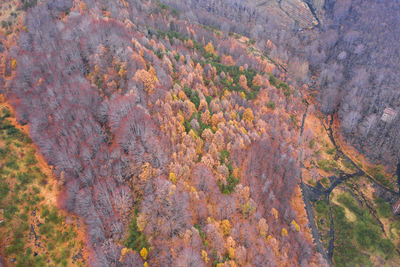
[(378, 174), (136, 240), (383, 207), (327, 165)]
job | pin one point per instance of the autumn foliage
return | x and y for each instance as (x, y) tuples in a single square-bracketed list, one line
[(161, 139)]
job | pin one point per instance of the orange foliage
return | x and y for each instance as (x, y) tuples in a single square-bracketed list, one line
[(146, 78), (263, 227), (226, 227), (227, 60), (190, 44), (243, 82), (248, 115), (258, 80)]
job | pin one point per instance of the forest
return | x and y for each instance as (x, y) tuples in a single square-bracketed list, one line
[(199, 133)]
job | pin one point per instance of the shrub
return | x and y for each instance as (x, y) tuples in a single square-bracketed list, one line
[(9, 211), (25, 178), (377, 173), (348, 164), (271, 105), (331, 151), (46, 229), (311, 144), (11, 163), (386, 247), (30, 158), (326, 165), (136, 240), (159, 53), (322, 208), (325, 182), (383, 208), (4, 190)]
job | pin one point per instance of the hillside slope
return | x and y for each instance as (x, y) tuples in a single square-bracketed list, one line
[(174, 142)]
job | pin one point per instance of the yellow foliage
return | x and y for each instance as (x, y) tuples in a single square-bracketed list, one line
[(284, 232), (263, 227), (181, 95), (145, 264), (147, 171), (172, 190), (247, 208), (180, 118), (123, 252), (143, 253), (231, 252), (275, 213), (204, 255), (14, 64), (141, 222), (122, 71), (243, 95), (296, 226), (220, 264), (226, 227), (209, 48), (248, 115), (172, 177), (227, 93)]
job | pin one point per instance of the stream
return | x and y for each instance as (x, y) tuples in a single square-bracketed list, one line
[(313, 193), (393, 194), (306, 192)]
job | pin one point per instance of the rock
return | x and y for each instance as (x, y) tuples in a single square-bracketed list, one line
[(300, 12)]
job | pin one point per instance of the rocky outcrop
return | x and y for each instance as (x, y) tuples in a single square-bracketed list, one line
[(300, 12)]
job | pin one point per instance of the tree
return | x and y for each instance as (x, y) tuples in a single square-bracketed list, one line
[(143, 253), (225, 227), (147, 79), (209, 48), (248, 115)]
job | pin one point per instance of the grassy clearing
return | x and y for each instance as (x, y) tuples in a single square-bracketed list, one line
[(360, 239), (28, 212)]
